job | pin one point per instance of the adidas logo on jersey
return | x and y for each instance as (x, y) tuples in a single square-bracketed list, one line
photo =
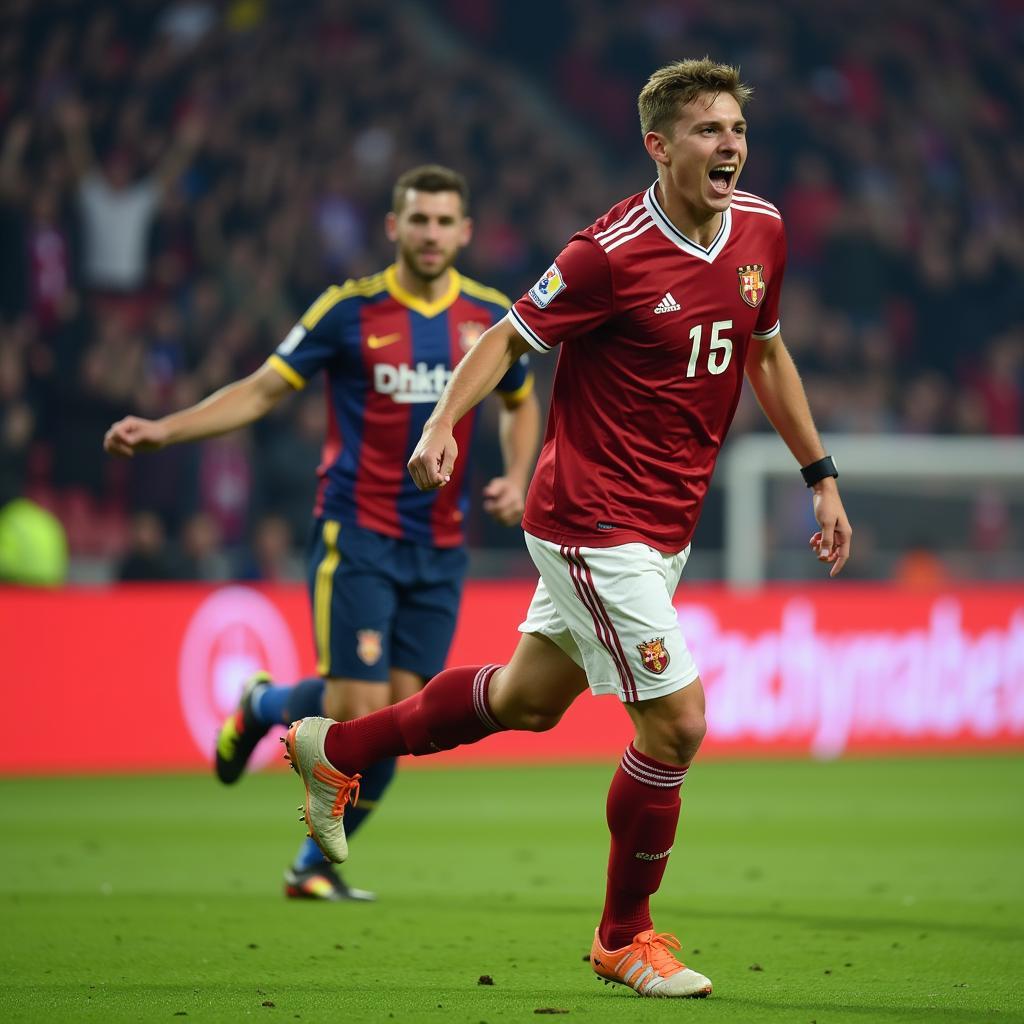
[(667, 305)]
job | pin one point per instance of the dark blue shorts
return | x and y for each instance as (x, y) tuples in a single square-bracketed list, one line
[(380, 602)]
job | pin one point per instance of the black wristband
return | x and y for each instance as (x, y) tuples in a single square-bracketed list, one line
[(819, 470)]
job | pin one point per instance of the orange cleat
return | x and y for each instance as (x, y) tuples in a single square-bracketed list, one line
[(648, 966), (328, 791)]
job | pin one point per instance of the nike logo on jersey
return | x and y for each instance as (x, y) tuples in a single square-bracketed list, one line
[(667, 305), (382, 340)]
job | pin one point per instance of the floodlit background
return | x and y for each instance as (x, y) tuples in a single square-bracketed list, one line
[(253, 144), (260, 140)]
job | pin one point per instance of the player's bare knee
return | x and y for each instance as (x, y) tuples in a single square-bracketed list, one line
[(535, 719), (521, 711), (535, 688), (674, 739), (695, 728), (516, 709), (686, 735)]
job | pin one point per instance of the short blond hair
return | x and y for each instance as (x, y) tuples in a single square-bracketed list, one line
[(674, 85)]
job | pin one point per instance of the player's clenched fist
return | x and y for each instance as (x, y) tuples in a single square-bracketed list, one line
[(433, 458), (505, 501), (133, 434)]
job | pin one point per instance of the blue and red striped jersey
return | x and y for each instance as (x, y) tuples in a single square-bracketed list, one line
[(387, 356)]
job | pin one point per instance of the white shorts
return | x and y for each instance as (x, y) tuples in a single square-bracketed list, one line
[(611, 611)]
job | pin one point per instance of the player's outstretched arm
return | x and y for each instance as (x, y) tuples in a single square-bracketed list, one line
[(474, 378), (776, 383), (233, 406)]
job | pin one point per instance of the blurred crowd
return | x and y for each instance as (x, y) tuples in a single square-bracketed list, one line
[(178, 180), (890, 136)]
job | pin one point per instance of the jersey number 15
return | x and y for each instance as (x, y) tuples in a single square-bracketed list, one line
[(719, 348)]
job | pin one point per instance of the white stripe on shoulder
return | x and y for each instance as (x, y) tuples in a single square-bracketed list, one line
[(608, 237), (637, 228), (531, 336), (749, 197), (763, 210), (619, 224)]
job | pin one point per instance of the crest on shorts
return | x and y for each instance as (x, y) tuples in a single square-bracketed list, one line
[(752, 284), (469, 333), (654, 655), (368, 646)]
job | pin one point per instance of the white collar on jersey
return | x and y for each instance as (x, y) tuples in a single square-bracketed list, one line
[(673, 234)]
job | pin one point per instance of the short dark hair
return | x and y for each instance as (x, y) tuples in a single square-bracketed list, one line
[(430, 178), (675, 85)]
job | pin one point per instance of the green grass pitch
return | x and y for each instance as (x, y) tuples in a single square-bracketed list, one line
[(853, 891)]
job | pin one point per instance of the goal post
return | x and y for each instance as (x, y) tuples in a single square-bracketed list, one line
[(754, 459)]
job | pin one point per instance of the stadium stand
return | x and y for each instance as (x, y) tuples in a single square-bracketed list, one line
[(177, 181)]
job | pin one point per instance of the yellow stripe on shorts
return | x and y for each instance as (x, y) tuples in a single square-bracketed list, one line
[(513, 399), (322, 593)]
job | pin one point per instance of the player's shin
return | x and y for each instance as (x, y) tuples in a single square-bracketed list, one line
[(642, 811), (453, 709)]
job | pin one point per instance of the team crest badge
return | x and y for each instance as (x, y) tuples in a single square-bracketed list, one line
[(368, 646), (654, 655), (469, 333), (752, 284), (547, 287)]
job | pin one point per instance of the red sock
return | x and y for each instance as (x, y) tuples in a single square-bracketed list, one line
[(643, 810), (452, 709)]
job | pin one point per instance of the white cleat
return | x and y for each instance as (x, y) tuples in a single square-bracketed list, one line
[(648, 966), (327, 789)]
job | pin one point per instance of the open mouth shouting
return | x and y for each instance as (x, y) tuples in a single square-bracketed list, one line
[(722, 177)]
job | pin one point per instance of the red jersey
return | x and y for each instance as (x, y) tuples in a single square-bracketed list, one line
[(654, 330)]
